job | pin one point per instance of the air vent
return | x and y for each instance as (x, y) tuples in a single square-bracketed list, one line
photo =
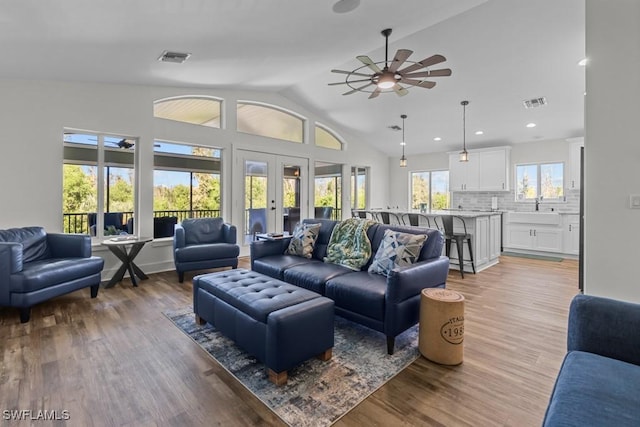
[(176, 57), (394, 127), (535, 102)]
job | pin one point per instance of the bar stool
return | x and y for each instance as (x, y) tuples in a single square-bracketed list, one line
[(446, 226), (416, 220)]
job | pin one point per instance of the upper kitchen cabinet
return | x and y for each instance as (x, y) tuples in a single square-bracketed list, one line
[(486, 170), (575, 148)]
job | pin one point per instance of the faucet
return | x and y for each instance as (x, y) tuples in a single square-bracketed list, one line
[(538, 200)]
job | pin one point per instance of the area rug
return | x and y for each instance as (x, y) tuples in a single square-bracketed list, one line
[(532, 256), (317, 393)]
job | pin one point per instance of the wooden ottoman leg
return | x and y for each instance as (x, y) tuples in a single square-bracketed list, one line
[(200, 320), (326, 355), (278, 378)]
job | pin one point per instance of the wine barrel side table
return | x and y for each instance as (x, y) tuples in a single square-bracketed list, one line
[(441, 326)]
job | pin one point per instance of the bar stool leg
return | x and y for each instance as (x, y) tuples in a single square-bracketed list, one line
[(447, 245), (460, 246), (473, 264)]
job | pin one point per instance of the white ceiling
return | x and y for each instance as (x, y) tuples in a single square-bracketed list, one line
[(501, 52)]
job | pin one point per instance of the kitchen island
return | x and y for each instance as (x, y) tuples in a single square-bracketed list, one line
[(485, 228)]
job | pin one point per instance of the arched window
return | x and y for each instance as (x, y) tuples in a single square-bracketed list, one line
[(269, 121), (198, 110), (327, 138)]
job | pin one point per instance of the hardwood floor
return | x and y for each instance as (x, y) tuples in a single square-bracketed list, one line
[(117, 361)]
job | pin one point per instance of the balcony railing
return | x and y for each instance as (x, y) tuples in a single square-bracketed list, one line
[(79, 222)]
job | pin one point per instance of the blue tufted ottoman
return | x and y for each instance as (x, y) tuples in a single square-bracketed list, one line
[(280, 324)]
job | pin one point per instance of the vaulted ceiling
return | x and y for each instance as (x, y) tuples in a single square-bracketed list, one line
[(501, 52)]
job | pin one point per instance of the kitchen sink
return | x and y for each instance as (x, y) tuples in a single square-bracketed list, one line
[(551, 218)]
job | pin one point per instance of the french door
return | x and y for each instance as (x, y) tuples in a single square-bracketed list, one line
[(273, 194)]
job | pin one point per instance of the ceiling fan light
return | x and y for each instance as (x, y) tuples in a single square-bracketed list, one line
[(386, 81)]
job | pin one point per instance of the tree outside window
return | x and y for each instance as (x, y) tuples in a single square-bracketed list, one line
[(430, 190), (545, 180)]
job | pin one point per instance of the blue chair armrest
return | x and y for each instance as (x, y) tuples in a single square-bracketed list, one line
[(409, 281), (10, 263), (606, 327), (178, 237), (262, 248), (230, 233), (69, 245)]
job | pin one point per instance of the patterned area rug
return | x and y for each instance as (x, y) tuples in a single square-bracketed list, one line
[(317, 393)]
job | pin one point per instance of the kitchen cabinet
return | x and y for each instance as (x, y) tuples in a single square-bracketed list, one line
[(571, 234), (535, 237), (574, 165), (486, 170), (464, 176), (493, 170), (495, 236), (533, 231)]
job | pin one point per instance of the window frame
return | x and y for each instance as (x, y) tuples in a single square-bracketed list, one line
[(331, 133), (220, 102), (430, 173), (303, 120), (539, 196)]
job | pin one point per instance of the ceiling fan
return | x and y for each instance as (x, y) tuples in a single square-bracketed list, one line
[(390, 77)]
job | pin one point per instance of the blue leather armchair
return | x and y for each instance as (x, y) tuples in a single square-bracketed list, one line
[(201, 243), (598, 381), (36, 266)]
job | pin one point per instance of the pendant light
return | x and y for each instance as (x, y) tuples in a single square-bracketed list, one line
[(464, 154), (403, 159)]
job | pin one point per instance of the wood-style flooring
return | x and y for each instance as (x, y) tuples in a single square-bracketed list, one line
[(118, 361)]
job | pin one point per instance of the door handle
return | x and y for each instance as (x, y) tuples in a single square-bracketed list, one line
[(273, 208)]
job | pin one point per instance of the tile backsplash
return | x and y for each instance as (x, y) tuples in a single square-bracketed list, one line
[(506, 201)]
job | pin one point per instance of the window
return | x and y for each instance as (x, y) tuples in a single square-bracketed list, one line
[(327, 139), (358, 188), (544, 180), (430, 190), (328, 187), (186, 181), (269, 121), (203, 111), (98, 183)]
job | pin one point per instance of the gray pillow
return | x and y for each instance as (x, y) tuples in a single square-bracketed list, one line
[(303, 239), (396, 250)]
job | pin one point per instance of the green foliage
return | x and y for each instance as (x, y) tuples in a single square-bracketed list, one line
[(79, 192)]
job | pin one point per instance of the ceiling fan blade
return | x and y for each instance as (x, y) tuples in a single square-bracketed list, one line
[(375, 93), (427, 62), (420, 83), (400, 90), (369, 63), (357, 89), (433, 73), (351, 72), (398, 60), (351, 81)]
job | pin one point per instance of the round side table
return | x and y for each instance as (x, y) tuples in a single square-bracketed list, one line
[(441, 326)]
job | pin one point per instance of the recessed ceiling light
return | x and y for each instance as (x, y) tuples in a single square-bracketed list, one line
[(345, 6), (437, 138), (582, 62), (479, 132), (531, 125)]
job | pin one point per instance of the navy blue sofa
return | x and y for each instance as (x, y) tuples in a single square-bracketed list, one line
[(599, 381), (388, 305), (200, 243), (36, 266)]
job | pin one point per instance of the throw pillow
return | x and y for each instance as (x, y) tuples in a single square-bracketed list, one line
[(303, 239), (349, 245), (396, 250)]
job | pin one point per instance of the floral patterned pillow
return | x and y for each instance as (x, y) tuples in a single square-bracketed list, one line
[(303, 239), (396, 250)]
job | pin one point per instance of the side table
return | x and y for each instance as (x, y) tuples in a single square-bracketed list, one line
[(441, 326), (118, 246)]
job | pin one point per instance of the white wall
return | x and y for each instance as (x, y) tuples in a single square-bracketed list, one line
[(34, 113), (612, 149)]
